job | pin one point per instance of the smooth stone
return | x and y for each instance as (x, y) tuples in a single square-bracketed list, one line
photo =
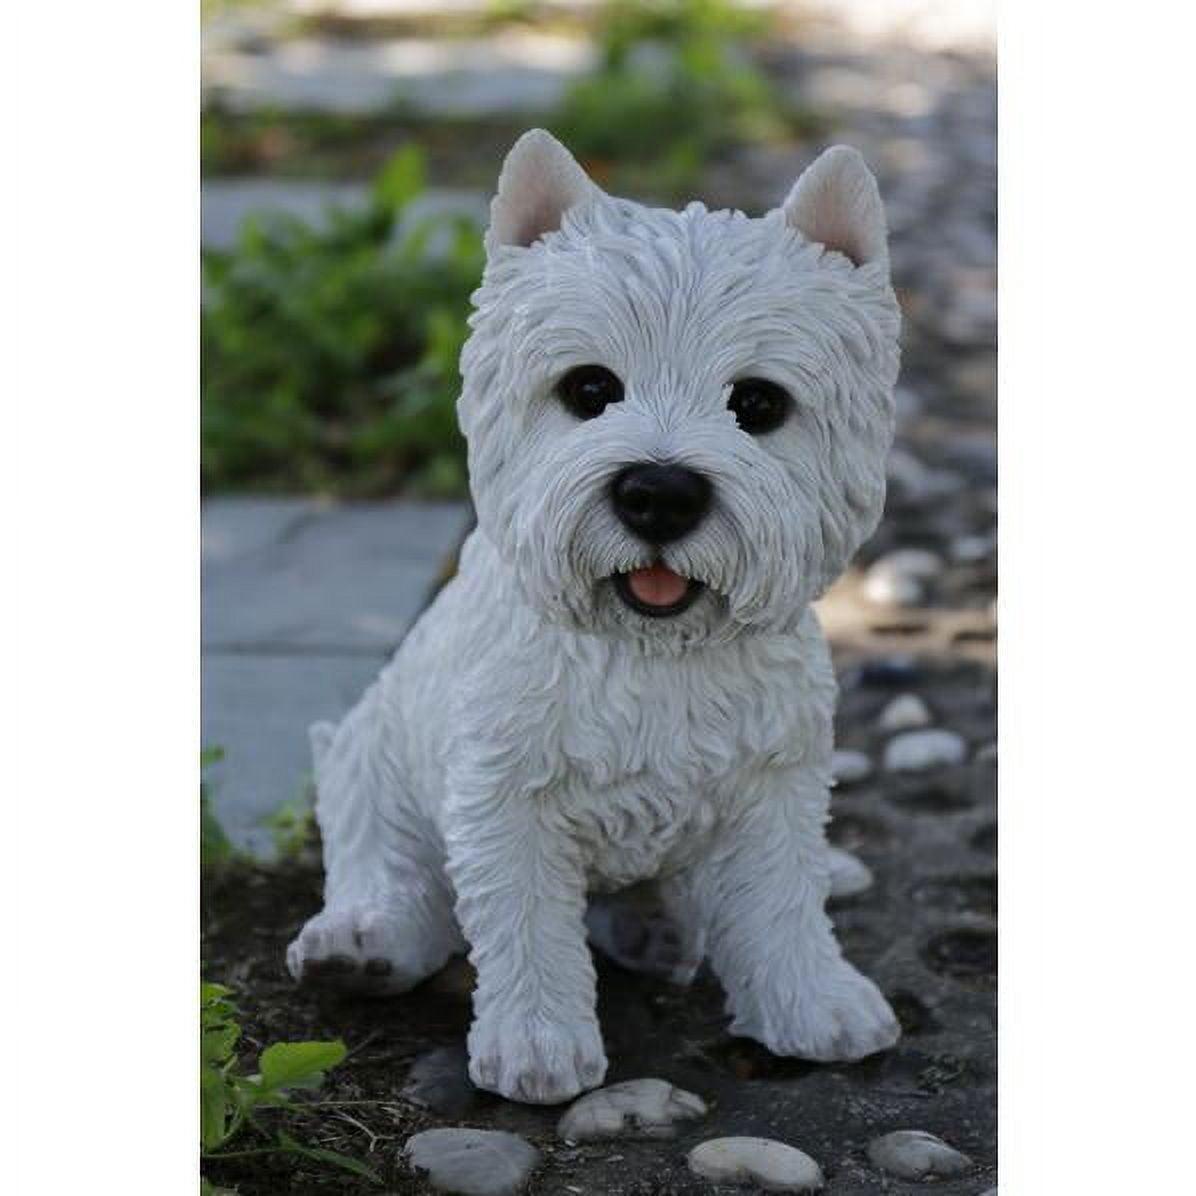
[(849, 767), (916, 751), (770, 1165), (473, 1162), (969, 550), (899, 578), (915, 1154), (905, 713), (917, 483), (439, 1080), (647, 1108), (885, 587), (849, 875)]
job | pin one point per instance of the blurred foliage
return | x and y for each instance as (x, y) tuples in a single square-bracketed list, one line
[(675, 86), (329, 350), (294, 828), (215, 848)]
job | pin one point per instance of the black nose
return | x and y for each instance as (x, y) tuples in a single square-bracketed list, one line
[(660, 503)]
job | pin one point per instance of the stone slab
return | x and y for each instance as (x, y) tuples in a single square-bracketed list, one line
[(302, 602), (258, 708), (225, 203), (304, 576), (510, 71)]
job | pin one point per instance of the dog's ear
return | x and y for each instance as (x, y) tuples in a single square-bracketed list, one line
[(539, 183), (836, 202)]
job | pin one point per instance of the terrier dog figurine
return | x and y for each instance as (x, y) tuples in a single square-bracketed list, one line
[(677, 428)]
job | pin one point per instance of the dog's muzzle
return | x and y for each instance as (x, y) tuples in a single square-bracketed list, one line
[(659, 504)]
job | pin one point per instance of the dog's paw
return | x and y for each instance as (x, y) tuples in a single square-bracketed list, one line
[(842, 1017), (359, 948), (536, 1061), (643, 940)]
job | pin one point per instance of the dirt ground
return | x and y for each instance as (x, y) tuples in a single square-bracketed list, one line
[(925, 931)]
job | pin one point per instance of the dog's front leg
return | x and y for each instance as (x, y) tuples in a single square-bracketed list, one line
[(761, 891), (521, 902)]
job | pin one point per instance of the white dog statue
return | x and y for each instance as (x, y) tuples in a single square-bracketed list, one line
[(677, 427)]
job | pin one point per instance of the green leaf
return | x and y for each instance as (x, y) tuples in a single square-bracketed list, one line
[(401, 179), (298, 1064), (213, 1108)]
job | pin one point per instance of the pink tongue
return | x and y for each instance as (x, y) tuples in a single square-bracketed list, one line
[(657, 585)]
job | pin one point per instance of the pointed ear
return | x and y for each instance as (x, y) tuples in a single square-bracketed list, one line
[(837, 203), (539, 183)]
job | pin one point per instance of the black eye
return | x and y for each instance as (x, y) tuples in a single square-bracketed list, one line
[(759, 405), (588, 389)]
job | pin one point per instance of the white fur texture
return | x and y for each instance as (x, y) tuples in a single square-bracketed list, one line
[(535, 739)]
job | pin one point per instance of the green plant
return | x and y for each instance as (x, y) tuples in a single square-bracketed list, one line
[(293, 826), (329, 351), (215, 849), (674, 87), (230, 1101)]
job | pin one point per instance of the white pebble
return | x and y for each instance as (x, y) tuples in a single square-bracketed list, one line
[(916, 751), (473, 1162), (849, 768), (647, 1108), (904, 713), (770, 1165), (899, 578), (967, 550), (915, 1154), (849, 875)]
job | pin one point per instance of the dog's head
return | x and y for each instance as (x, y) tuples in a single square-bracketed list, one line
[(677, 421)]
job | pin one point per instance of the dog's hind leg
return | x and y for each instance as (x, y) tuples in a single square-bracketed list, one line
[(648, 928), (388, 919)]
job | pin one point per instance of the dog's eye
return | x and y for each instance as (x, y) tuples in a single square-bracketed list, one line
[(759, 405), (588, 389)]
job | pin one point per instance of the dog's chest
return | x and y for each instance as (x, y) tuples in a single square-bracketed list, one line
[(653, 750)]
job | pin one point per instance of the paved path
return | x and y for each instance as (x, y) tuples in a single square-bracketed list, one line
[(511, 70), (224, 203), (302, 602)]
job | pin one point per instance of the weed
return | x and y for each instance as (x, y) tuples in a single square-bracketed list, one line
[(329, 351), (230, 1100), (215, 849), (674, 88), (293, 826)]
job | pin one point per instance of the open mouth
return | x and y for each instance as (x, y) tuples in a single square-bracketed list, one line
[(656, 591)]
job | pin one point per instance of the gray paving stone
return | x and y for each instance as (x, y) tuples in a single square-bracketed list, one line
[(225, 203), (302, 602), (510, 71), (320, 578), (258, 708)]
